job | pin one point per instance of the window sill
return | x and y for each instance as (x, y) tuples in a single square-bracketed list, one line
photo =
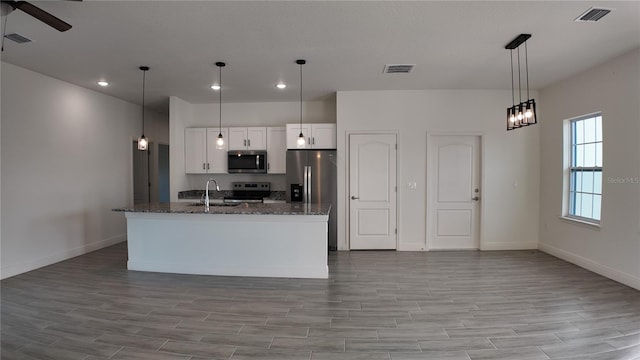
[(586, 224)]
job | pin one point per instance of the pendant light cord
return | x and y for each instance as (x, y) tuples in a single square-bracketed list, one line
[(519, 81), (300, 98), (144, 79), (513, 96), (220, 100), (4, 30), (526, 65)]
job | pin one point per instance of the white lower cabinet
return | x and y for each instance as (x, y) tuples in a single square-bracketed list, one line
[(201, 155)]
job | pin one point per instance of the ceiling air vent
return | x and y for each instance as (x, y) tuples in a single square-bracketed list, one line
[(398, 68), (593, 15), (17, 38)]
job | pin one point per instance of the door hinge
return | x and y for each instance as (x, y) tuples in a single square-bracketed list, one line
[(396, 189), (396, 146), (396, 232)]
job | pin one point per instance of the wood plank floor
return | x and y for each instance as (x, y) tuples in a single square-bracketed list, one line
[(376, 305)]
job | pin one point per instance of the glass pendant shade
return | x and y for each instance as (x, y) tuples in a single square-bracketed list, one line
[(301, 143), (142, 143), (220, 142), (520, 114)]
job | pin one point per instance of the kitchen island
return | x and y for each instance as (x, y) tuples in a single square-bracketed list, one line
[(272, 240)]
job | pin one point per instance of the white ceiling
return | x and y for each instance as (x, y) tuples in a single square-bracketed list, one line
[(454, 44)]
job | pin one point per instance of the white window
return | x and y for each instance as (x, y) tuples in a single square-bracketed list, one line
[(584, 195)]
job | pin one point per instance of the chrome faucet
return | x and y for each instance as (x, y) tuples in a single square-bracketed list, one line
[(206, 194)]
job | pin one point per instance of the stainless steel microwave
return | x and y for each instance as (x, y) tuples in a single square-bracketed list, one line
[(247, 161)]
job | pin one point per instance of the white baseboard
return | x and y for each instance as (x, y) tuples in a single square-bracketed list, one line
[(509, 245), (23, 267), (606, 271), (411, 247)]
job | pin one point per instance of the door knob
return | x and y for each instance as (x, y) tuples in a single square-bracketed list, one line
[(354, 198), (475, 198)]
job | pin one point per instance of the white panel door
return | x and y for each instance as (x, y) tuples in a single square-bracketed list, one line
[(372, 191), (454, 194), (195, 150)]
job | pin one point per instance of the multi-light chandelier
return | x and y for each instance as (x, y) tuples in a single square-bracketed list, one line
[(524, 113)]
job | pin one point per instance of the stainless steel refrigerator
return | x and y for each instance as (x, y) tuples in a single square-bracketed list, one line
[(312, 177)]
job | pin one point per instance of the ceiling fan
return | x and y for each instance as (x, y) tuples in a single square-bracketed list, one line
[(9, 5)]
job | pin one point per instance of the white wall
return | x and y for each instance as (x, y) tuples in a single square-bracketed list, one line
[(510, 159), (66, 162), (183, 115), (614, 89)]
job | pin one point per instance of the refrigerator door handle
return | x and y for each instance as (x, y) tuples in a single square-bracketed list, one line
[(304, 185), (307, 187)]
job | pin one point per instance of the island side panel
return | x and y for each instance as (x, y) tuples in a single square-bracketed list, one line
[(230, 245)]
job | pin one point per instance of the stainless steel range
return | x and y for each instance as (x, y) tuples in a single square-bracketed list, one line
[(248, 192)]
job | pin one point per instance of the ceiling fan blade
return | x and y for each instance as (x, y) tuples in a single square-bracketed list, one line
[(42, 15)]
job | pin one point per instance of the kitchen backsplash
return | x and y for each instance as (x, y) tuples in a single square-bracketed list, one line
[(197, 194), (198, 181)]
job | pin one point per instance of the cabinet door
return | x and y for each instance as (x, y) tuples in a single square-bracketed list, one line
[(276, 150), (217, 158), (237, 138), (195, 150), (257, 138), (323, 136), (293, 131)]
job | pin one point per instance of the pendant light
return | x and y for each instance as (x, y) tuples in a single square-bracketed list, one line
[(143, 143), (524, 113), (220, 140), (301, 140)]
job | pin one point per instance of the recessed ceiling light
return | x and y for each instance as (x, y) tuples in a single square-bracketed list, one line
[(281, 86), (103, 83), (215, 87)]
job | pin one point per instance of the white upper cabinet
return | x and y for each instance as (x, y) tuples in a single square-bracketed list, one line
[(195, 150), (317, 136), (201, 155), (323, 136), (276, 150), (217, 157), (252, 138)]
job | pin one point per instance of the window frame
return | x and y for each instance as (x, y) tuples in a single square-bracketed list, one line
[(571, 171)]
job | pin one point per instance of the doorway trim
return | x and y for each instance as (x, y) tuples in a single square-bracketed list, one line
[(347, 162), (429, 179)]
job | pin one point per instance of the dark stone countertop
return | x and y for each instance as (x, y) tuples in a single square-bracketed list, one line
[(241, 209)]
